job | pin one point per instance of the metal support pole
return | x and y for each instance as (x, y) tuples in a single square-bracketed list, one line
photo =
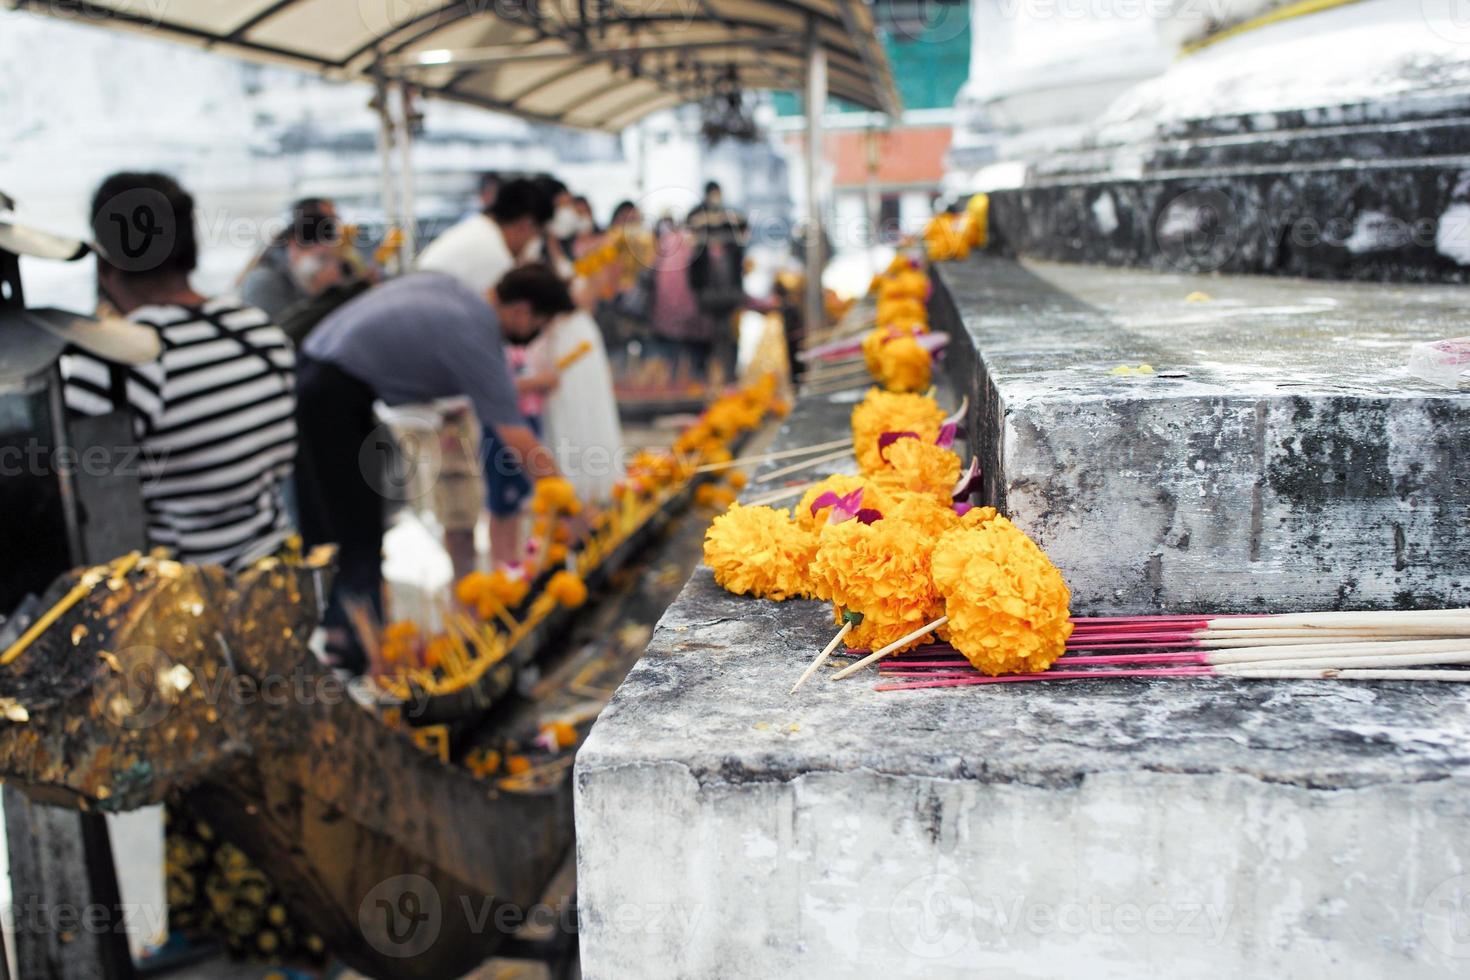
[(405, 148), (384, 110), (816, 104)]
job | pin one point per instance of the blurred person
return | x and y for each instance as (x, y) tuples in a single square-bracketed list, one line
[(480, 249), (418, 338), (623, 317), (680, 332), (299, 262), (717, 274), (489, 187), (580, 419), (214, 414)]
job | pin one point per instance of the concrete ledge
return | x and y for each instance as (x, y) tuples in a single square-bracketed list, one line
[(1291, 464), (1122, 829)]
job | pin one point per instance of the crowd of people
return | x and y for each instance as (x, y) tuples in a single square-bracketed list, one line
[(262, 415)]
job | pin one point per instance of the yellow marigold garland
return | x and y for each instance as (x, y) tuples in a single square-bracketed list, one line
[(880, 570), (920, 467), (883, 411), (1007, 603), (760, 551)]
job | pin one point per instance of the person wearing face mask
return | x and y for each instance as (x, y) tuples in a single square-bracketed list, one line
[(480, 249), (416, 339), (300, 261)]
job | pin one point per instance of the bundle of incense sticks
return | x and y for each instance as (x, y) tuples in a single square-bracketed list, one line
[(1326, 646)]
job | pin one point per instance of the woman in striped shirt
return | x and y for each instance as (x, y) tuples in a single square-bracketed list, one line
[(214, 415)]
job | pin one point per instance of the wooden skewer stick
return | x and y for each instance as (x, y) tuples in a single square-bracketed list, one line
[(1320, 650), (1460, 657), (1334, 674), (922, 631), (832, 457), (785, 493), (822, 657), (772, 457)]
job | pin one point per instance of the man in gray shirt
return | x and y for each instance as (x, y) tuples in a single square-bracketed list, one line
[(418, 338)]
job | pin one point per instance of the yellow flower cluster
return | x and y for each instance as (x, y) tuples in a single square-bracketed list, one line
[(882, 571), (919, 467), (882, 411), (568, 589), (555, 495), (952, 236), (760, 551), (1007, 603), (904, 364), (841, 484), (480, 591), (598, 259)]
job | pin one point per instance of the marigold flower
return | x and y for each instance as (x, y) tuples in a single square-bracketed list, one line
[(567, 589), (1007, 603), (904, 365), (555, 495), (882, 571), (919, 467), (884, 411), (760, 551), (841, 484)]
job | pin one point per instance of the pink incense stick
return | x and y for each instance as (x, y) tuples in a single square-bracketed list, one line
[(1051, 675)]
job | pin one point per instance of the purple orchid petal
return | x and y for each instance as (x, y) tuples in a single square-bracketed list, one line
[(827, 499), (889, 438), (969, 481), (963, 509), (868, 515), (947, 432)]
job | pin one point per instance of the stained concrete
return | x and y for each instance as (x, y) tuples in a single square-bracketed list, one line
[(1170, 829), (1281, 457)]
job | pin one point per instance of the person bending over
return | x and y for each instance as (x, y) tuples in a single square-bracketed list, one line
[(422, 337)]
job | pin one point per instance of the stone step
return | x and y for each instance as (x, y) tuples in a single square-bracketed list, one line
[(1280, 457)]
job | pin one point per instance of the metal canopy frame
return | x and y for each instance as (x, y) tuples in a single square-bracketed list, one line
[(589, 64)]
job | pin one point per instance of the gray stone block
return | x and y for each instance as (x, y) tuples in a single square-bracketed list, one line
[(1281, 458)]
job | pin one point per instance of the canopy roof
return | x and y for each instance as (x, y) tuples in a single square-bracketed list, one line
[(594, 64)]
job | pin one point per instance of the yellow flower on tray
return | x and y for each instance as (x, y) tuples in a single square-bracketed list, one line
[(760, 551), (480, 590), (883, 411), (567, 589), (1007, 603), (555, 495)]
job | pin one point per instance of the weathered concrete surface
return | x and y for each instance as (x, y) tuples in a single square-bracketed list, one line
[(1127, 829), (1131, 829), (1294, 464)]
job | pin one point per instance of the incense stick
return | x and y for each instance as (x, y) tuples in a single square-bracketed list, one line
[(922, 631), (1243, 672), (771, 457), (785, 493), (822, 657), (806, 464)]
